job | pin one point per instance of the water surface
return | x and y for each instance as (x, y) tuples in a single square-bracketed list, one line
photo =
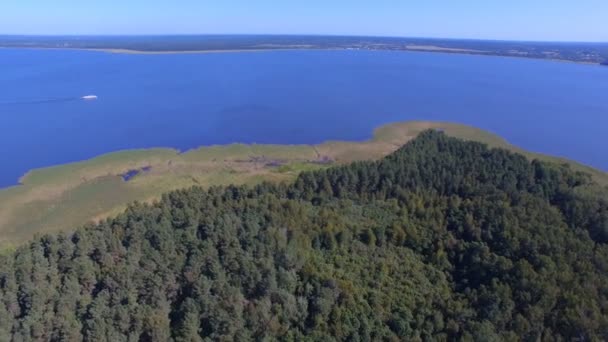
[(295, 97)]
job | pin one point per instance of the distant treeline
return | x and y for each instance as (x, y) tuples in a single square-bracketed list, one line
[(442, 240), (578, 52)]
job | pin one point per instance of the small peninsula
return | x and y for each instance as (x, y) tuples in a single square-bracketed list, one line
[(441, 240), (53, 198)]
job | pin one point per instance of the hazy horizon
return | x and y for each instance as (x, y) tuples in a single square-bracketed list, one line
[(298, 35), (539, 21)]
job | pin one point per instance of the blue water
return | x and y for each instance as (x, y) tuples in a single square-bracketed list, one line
[(185, 101), (129, 175)]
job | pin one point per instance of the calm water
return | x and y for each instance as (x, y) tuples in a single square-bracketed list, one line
[(185, 101)]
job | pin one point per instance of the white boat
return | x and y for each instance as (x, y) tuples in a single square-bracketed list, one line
[(90, 97)]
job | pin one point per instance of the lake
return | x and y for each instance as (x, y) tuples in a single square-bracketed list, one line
[(285, 97)]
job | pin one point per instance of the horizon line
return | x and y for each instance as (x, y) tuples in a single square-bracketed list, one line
[(301, 35)]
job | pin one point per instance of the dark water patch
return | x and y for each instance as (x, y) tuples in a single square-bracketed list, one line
[(129, 175)]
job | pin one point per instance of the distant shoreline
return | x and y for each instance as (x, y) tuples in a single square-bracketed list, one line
[(426, 49), (201, 52), (577, 52)]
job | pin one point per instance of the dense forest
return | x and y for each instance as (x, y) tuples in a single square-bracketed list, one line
[(442, 240)]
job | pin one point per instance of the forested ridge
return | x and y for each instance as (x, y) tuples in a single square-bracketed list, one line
[(442, 240)]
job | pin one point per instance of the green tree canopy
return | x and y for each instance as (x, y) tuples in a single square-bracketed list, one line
[(442, 240)]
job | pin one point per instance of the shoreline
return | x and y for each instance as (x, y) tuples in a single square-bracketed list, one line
[(23, 179), (413, 48), (72, 194)]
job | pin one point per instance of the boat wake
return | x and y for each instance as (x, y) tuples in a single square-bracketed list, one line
[(49, 100)]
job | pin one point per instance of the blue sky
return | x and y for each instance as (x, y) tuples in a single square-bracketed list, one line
[(565, 20)]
